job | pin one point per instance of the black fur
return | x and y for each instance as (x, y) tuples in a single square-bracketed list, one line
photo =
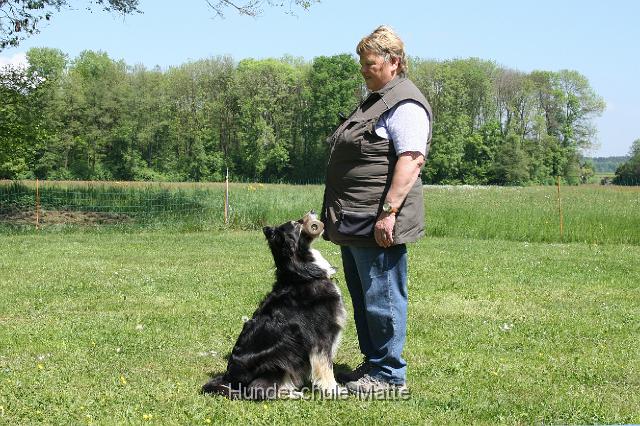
[(301, 316)]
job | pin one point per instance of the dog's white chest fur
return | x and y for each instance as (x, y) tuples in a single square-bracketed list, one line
[(322, 263)]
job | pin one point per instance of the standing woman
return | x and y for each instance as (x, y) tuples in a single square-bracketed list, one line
[(373, 206)]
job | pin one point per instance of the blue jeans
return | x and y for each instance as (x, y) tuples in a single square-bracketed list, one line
[(377, 281)]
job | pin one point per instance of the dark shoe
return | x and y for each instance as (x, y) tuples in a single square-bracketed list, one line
[(368, 386), (351, 376)]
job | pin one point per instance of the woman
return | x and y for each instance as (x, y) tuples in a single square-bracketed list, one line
[(373, 206)]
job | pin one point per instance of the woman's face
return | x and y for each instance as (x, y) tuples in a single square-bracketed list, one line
[(376, 71)]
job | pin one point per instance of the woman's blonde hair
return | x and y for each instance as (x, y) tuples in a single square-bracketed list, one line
[(385, 42)]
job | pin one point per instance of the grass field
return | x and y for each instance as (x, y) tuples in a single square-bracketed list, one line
[(103, 327)]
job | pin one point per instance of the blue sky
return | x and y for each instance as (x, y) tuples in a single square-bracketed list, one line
[(599, 39)]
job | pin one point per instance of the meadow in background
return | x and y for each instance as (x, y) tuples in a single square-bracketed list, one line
[(591, 213)]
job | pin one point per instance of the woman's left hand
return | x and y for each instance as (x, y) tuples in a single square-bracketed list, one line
[(383, 231)]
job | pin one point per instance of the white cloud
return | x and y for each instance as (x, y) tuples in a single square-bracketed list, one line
[(17, 60)]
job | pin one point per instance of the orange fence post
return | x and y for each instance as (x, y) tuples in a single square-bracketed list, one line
[(560, 209), (37, 205), (226, 199)]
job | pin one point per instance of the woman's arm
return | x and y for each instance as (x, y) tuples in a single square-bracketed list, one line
[(405, 173)]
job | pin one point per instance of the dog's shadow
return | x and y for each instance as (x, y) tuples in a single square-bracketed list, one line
[(215, 385), (337, 368), (213, 374)]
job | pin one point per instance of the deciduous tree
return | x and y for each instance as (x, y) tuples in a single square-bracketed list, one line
[(628, 173), (20, 19), (255, 7)]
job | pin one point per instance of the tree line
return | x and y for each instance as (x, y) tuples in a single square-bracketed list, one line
[(607, 164), (92, 117), (628, 173)]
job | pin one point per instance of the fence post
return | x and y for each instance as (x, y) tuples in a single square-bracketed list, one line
[(560, 209), (226, 199), (37, 204)]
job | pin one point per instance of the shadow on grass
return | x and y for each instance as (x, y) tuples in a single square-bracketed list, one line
[(217, 386)]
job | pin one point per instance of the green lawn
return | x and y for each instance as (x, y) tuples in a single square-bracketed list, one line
[(102, 328)]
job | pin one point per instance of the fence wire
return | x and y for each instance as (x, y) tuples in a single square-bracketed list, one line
[(587, 213), (23, 203)]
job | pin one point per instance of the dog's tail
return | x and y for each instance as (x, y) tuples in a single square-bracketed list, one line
[(219, 385)]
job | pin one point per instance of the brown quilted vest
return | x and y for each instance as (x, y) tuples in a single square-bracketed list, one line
[(360, 169)]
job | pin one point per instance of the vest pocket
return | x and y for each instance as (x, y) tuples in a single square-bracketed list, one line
[(374, 144), (356, 223)]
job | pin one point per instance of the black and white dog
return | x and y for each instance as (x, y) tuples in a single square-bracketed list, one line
[(294, 334)]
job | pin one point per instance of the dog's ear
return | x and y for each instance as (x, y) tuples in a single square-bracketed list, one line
[(268, 232)]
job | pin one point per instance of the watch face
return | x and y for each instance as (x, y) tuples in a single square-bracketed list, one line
[(386, 207)]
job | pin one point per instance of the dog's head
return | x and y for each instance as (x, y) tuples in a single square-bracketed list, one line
[(290, 244), (294, 237)]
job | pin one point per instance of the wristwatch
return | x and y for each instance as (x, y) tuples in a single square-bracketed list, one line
[(388, 208)]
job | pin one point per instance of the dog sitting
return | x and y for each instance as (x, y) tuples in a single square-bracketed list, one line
[(294, 334)]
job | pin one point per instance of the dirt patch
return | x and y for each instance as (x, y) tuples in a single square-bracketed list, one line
[(64, 217)]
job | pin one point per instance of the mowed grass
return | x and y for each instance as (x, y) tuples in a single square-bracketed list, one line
[(113, 328)]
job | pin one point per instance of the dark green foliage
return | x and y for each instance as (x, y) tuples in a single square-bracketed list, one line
[(510, 166), (628, 173), (333, 88), (93, 118)]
